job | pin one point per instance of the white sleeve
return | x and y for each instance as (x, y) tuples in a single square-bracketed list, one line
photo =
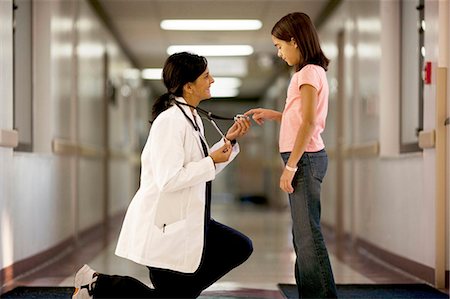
[(167, 156)]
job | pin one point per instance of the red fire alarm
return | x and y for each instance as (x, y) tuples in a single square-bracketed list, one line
[(427, 73)]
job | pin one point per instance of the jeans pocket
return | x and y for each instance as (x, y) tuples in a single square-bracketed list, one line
[(319, 164)]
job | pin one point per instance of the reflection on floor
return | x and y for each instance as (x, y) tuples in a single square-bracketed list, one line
[(271, 262)]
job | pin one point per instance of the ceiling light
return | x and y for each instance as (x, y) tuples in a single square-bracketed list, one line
[(226, 82), (223, 93), (131, 74), (152, 74), (90, 49), (225, 87), (228, 66), (211, 25), (212, 50)]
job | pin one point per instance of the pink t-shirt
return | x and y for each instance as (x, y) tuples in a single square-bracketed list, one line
[(315, 76)]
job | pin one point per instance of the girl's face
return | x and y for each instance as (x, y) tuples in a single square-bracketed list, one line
[(200, 88), (288, 51)]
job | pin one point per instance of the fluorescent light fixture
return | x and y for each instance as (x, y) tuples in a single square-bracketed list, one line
[(225, 87), (228, 66), (211, 25), (212, 50), (131, 74), (152, 74), (90, 50), (223, 93), (330, 50), (226, 82), (368, 50), (369, 25)]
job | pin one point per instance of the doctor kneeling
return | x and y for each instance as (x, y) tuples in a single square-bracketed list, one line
[(168, 227)]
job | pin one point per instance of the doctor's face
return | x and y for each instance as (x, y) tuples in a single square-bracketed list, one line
[(201, 86)]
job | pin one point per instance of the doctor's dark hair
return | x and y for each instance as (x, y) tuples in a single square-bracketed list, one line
[(298, 26), (179, 69)]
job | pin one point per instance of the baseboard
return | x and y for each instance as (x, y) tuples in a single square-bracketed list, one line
[(418, 270), (55, 253), (410, 267), (413, 268), (10, 273)]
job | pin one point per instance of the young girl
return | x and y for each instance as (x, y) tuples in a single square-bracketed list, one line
[(302, 149)]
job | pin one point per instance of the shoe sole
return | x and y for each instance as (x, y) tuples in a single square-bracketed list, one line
[(85, 270), (75, 293)]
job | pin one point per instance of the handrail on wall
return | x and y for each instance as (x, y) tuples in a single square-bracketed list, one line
[(69, 148), (9, 138), (362, 150)]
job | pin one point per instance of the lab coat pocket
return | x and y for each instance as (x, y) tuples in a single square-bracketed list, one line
[(172, 228), (170, 239)]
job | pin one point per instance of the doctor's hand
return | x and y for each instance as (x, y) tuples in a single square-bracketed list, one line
[(222, 154), (259, 115), (240, 127)]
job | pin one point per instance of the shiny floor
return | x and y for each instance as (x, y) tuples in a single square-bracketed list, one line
[(271, 262)]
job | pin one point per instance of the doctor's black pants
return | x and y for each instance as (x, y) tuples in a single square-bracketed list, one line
[(225, 249)]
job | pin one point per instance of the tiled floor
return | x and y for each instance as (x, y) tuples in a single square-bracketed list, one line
[(271, 262)]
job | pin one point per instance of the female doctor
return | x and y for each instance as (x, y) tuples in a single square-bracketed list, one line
[(167, 226)]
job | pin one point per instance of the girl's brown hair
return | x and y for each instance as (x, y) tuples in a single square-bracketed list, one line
[(298, 26)]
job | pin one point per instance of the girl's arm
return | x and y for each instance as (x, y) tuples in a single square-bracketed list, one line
[(309, 108), (261, 114)]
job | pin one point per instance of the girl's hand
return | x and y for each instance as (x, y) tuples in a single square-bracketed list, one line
[(238, 129), (261, 114), (286, 181), (222, 154)]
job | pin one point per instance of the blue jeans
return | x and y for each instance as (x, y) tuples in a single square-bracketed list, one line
[(313, 272)]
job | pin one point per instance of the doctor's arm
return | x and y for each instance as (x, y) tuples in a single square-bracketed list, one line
[(222, 153), (167, 156), (233, 152), (238, 129)]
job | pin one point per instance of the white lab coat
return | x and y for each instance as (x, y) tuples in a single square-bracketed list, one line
[(164, 223)]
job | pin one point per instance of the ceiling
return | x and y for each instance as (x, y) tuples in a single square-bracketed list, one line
[(136, 25)]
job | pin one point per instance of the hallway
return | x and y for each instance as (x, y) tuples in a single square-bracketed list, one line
[(75, 105), (271, 262)]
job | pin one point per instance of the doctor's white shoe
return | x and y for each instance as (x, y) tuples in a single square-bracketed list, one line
[(85, 281)]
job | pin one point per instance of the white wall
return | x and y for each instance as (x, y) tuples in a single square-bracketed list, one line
[(6, 75), (388, 199), (47, 197)]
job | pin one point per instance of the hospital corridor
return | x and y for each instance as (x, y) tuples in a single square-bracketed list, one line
[(270, 264), (82, 142)]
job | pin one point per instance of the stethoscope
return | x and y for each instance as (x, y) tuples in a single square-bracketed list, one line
[(209, 116)]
